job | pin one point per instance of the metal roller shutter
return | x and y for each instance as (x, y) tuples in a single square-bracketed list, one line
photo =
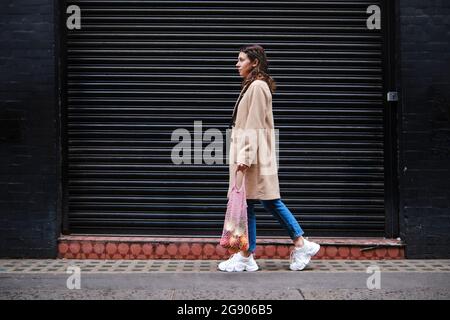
[(137, 70)]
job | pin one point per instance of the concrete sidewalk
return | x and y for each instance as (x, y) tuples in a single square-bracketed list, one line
[(194, 280)]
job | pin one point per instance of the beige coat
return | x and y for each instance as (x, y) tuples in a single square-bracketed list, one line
[(253, 143)]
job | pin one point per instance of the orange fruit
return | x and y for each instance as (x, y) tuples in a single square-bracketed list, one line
[(234, 242), (243, 242), (225, 242)]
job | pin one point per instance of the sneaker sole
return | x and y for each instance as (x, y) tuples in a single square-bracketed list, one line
[(249, 269), (252, 269), (297, 268)]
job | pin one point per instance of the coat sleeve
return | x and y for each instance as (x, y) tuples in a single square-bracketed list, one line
[(248, 144)]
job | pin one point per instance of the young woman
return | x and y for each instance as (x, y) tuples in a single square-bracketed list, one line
[(252, 153)]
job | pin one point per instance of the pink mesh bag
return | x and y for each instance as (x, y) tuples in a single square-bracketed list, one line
[(235, 229)]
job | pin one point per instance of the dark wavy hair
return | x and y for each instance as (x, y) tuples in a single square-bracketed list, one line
[(261, 71)]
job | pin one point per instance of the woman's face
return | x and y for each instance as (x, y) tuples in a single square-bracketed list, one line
[(244, 65)]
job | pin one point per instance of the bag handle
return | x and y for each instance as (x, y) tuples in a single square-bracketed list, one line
[(243, 182)]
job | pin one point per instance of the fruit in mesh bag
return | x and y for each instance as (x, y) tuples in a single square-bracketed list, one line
[(229, 226), (238, 232), (243, 242), (234, 242), (240, 229), (225, 240)]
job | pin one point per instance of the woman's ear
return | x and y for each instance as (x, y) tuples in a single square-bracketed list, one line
[(255, 63)]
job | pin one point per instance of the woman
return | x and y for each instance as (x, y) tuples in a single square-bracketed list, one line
[(252, 153)]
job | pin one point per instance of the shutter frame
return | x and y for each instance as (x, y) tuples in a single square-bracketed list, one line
[(132, 78)]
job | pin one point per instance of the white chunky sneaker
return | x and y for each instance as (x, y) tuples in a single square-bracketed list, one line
[(300, 257), (238, 263)]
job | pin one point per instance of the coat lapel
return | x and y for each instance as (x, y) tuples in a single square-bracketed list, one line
[(233, 117)]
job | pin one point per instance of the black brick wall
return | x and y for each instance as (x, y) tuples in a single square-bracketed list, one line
[(425, 127), (28, 129)]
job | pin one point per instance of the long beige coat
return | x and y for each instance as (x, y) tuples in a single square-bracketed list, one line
[(253, 143)]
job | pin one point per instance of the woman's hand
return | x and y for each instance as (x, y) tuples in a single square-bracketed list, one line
[(241, 168)]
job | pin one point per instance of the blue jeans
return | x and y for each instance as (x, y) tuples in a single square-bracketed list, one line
[(278, 209)]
